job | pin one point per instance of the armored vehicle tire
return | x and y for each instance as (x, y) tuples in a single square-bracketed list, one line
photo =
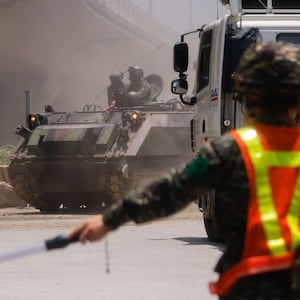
[(48, 208), (47, 203)]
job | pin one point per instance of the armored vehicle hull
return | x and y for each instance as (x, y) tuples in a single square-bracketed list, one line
[(89, 159)]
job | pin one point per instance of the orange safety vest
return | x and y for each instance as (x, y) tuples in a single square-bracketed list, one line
[(272, 160)]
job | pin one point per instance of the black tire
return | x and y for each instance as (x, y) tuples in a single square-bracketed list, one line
[(208, 206), (48, 203), (212, 230)]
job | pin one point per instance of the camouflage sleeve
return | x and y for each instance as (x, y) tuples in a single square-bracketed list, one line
[(173, 192), (144, 93)]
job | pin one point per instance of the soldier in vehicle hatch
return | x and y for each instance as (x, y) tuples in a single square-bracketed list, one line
[(139, 90), (255, 170), (116, 90), (137, 93)]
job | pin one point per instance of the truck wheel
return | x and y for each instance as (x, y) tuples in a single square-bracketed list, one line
[(212, 230), (207, 204)]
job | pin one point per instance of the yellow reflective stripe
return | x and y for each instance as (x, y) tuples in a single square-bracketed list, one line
[(268, 213), (293, 216), (282, 159), (262, 160)]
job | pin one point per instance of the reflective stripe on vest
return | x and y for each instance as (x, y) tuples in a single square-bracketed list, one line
[(261, 161), (281, 255)]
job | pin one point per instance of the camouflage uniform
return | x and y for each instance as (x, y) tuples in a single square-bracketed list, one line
[(116, 90), (140, 92)]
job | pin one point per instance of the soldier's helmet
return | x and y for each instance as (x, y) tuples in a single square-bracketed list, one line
[(136, 73), (116, 76), (271, 70)]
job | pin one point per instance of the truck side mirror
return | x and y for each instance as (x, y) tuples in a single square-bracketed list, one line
[(179, 86), (181, 57)]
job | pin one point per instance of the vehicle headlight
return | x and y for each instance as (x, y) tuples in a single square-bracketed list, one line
[(134, 116), (34, 120)]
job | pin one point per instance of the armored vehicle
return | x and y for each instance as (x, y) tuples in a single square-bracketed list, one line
[(89, 158)]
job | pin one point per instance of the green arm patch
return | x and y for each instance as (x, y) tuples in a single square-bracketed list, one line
[(196, 168)]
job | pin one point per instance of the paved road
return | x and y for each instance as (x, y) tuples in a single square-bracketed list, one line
[(167, 259)]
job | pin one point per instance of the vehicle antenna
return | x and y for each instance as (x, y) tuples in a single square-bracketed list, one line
[(106, 250)]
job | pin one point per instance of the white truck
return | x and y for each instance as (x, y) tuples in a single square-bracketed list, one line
[(221, 44)]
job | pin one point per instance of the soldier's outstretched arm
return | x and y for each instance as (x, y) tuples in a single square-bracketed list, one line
[(92, 229)]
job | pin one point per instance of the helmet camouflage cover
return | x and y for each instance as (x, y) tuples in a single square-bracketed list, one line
[(116, 76), (269, 69), (136, 73)]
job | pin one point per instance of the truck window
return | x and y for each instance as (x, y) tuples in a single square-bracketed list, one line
[(204, 60), (285, 4), (236, 42), (250, 4), (293, 38), (276, 4)]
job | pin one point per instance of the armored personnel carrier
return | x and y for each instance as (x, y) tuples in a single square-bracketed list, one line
[(89, 158)]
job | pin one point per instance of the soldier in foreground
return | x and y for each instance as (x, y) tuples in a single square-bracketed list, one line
[(255, 170)]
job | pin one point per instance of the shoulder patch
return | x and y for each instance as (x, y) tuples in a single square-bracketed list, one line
[(196, 168)]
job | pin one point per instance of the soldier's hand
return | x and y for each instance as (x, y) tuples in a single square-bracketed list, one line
[(93, 229)]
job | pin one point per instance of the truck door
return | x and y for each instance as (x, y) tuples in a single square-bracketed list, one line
[(236, 42), (200, 119)]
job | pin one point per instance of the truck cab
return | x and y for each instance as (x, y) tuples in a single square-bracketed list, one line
[(221, 45)]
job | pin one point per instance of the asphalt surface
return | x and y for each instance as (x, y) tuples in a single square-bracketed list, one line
[(167, 259)]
